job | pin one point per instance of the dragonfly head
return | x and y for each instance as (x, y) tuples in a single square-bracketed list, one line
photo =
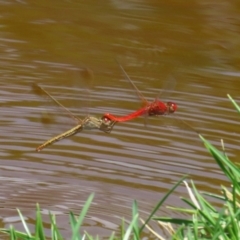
[(171, 107), (107, 123)]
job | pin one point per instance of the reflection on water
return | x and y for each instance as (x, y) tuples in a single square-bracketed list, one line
[(46, 42)]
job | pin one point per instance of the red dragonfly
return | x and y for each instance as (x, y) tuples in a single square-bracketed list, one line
[(154, 108)]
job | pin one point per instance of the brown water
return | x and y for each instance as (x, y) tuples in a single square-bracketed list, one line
[(44, 41)]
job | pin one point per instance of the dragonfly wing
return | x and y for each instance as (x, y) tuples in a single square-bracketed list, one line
[(139, 94), (40, 91), (168, 86), (87, 78)]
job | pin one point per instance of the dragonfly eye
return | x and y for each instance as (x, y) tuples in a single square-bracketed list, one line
[(172, 107), (107, 124), (106, 119)]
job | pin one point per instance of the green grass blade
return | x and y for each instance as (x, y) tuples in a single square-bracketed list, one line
[(76, 234), (220, 158), (216, 196), (234, 103), (53, 232), (234, 200), (206, 206), (178, 221), (12, 233), (39, 225), (122, 228), (73, 221), (183, 210), (130, 228), (233, 224), (190, 234), (56, 235), (191, 204), (229, 169), (206, 209), (218, 228), (19, 235), (24, 223), (112, 236), (205, 215), (179, 234), (135, 226), (195, 226), (88, 236), (161, 202)]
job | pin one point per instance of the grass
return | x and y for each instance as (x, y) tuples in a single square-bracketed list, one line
[(205, 221)]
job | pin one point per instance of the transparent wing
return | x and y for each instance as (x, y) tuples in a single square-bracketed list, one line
[(139, 94), (87, 78), (81, 80), (168, 86), (37, 89)]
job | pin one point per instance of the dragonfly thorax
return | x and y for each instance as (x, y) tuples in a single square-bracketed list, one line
[(157, 108), (91, 123)]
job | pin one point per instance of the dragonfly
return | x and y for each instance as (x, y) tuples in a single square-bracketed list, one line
[(88, 123), (154, 108)]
